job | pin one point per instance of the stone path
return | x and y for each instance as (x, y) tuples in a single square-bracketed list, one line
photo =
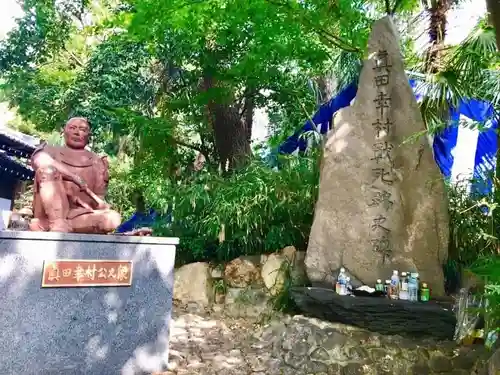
[(206, 343)]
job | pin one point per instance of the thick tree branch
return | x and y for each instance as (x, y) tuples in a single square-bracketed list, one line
[(188, 145), (493, 7), (388, 7), (75, 58)]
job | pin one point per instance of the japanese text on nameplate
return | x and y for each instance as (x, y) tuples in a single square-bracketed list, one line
[(86, 273)]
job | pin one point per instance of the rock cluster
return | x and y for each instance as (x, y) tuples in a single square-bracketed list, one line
[(199, 282)]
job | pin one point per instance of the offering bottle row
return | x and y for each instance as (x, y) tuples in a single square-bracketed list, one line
[(405, 287)]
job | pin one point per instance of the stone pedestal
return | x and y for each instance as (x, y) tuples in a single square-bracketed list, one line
[(378, 314), (84, 330)]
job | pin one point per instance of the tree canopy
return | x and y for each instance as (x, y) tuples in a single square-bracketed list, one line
[(164, 81)]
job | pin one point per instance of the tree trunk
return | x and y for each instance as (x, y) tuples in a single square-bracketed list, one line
[(326, 88), (232, 140), (493, 7), (248, 114), (437, 11)]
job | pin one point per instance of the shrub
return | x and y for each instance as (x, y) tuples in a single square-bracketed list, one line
[(256, 210)]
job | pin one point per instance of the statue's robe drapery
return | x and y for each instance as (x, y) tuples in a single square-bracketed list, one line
[(92, 168)]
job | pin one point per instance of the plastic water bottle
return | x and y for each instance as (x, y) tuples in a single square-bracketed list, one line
[(387, 288), (413, 287), (341, 283), (403, 290), (348, 286), (394, 292)]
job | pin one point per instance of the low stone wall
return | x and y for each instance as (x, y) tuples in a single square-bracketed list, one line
[(84, 330)]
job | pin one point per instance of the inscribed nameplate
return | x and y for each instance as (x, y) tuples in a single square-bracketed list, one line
[(67, 273)]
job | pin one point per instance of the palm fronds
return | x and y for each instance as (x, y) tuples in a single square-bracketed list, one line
[(465, 71), (346, 68)]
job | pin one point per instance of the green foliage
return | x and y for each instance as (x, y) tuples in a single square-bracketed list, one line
[(468, 70), (283, 300), (488, 269), (253, 211), (475, 224), (474, 247), (120, 189)]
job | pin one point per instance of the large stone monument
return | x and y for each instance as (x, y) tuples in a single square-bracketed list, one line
[(382, 204)]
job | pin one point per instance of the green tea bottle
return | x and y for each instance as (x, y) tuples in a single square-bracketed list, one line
[(425, 293)]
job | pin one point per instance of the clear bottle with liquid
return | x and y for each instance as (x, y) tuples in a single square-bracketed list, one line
[(403, 289), (348, 286), (413, 287), (387, 288), (394, 291), (340, 286)]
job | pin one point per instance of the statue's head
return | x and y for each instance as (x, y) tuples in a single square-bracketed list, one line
[(76, 133)]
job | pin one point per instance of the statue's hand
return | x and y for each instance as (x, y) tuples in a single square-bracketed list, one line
[(102, 205), (81, 203), (80, 182)]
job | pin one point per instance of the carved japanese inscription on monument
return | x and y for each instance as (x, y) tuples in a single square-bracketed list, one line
[(66, 273), (382, 170)]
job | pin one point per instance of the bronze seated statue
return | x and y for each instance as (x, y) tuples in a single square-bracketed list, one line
[(70, 186)]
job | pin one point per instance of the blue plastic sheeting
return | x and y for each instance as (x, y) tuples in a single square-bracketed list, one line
[(459, 150), (322, 120), (140, 219)]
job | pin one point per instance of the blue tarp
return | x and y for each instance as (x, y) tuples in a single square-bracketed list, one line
[(459, 150), (140, 219)]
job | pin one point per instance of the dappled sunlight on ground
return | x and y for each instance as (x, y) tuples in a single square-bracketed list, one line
[(202, 344)]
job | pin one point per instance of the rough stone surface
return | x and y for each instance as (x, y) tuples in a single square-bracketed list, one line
[(364, 186), (193, 283), (494, 363), (208, 343), (273, 273), (246, 302), (80, 331), (278, 266), (289, 252), (242, 272), (491, 367), (381, 315), (297, 259)]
